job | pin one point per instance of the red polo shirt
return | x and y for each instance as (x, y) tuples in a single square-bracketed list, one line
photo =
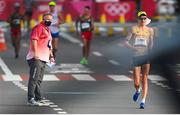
[(42, 34)]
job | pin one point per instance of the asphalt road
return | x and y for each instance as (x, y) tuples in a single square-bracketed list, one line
[(104, 86)]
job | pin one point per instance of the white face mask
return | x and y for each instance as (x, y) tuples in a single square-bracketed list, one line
[(147, 21)]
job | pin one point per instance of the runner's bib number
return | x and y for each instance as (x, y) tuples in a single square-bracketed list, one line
[(85, 25), (16, 21), (140, 42)]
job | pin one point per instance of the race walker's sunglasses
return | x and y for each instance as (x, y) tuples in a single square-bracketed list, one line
[(142, 18)]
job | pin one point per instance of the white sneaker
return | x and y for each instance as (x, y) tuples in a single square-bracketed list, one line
[(32, 102), (42, 103)]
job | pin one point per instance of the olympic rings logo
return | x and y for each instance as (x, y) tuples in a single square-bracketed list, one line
[(115, 9), (2, 5)]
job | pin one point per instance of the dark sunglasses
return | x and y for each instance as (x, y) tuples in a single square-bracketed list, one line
[(142, 18)]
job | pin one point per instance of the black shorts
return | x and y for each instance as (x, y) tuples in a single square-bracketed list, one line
[(140, 60)]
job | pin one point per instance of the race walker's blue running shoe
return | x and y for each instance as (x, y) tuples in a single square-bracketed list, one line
[(136, 96), (142, 105)]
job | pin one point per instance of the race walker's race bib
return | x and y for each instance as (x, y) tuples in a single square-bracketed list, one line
[(140, 42), (16, 21), (85, 25)]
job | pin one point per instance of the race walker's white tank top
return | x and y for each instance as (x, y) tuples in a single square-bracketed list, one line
[(53, 27), (141, 41)]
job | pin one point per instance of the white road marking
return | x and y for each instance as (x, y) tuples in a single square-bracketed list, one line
[(50, 78), (50, 103), (156, 78), (70, 68), (70, 71), (70, 65), (57, 109), (8, 74), (98, 54), (52, 106), (114, 62), (13, 78), (21, 85), (154, 82), (159, 84), (76, 93), (25, 89), (178, 65), (62, 112), (18, 83), (119, 78), (83, 77), (164, 86), (43, 104), (70, 38), (45, 100), (47, 77), (16, 78), (5, 68)]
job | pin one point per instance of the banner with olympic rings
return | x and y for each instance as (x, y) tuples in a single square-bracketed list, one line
[(116, 9)]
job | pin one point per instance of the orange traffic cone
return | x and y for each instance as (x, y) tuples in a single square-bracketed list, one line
[(3, 46)]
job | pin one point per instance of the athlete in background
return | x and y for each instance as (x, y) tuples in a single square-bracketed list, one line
[(54, 28), (15, 27), (142, 42), (86, 28)]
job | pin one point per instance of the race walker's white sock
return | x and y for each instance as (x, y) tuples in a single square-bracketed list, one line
[(139, 90), (143, 100)]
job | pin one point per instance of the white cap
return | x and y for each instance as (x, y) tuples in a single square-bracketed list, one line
[(148, 21)]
